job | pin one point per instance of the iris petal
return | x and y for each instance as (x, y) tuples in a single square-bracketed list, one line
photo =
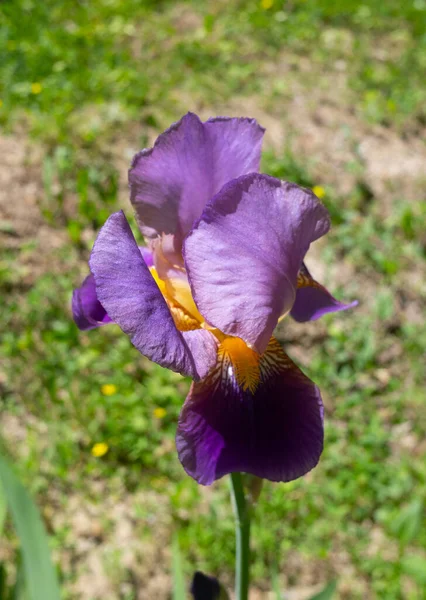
[(172, 182), (244, 254), (313, 300), (128, 292), (203, 347), (87, 311), (275, 433)]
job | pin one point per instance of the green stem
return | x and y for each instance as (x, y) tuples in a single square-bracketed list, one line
[(242, 529)]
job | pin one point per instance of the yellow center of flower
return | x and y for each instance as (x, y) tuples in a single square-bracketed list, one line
[(180, 292), (243, 361), (177, 294)]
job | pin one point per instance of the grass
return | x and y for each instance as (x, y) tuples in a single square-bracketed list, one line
[(80, 78)]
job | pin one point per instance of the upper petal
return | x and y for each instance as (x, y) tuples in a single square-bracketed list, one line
[(313, 300), (132, 299), (172, 182), (243, 255), (275, 432)]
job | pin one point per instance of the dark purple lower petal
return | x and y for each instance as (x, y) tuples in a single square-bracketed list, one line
[(87, 311), (274, 432), (313, 300)]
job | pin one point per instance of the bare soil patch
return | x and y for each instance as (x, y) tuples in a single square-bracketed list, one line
[(23, 230)]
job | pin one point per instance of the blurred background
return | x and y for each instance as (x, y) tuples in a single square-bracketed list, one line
[(89, 423)]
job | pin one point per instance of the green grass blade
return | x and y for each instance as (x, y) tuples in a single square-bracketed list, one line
[(3, 510), (19, 590), (179, 589), (40, 576), (327, 593), (276, 584), (3, 582)]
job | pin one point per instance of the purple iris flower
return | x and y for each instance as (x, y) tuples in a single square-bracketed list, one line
[(224, 264)]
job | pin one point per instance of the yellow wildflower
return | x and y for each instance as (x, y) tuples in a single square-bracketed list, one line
[(160, 413), (1, 102), (36, 88), (266, 4), (319, 191), (108, 389), (100, 449)]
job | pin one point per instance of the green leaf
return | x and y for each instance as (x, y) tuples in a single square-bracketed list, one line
[(276, 584), (327, 593), (209, 21), (3, 510), (19, 590), (40, 575), (179, 590), (408, 523), (3, 582), (415, 567)]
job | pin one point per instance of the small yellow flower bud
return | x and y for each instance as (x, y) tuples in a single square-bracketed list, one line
[(160, 413), (319, 191), (108, 389), (36, 88), (100, 449)]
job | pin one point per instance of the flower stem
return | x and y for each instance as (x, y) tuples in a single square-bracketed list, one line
[(242, 529)]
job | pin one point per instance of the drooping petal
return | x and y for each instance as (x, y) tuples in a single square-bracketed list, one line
[(128, 292), (274, 432), (202, 345), (243, 255), (172, 182), (313, 300), (87, 311)]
